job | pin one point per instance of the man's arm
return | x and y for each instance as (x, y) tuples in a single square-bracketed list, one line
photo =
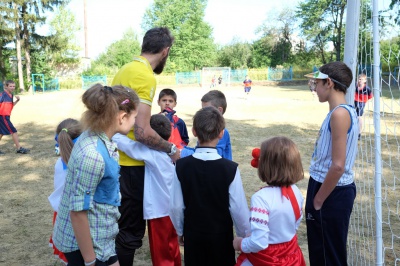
[(146, 135)]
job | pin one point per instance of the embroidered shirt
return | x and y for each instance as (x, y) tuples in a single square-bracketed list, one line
[(272, 219)]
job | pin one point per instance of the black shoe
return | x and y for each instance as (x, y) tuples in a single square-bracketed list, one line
[(359, 136), (23, 150), (2, 153)]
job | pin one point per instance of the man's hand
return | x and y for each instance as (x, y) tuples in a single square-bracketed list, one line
[(176, 156)]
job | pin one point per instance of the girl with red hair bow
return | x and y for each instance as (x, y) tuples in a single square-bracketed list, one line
[(275, 212)]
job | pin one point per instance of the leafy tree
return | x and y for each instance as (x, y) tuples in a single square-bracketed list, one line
[(120, 52), (194, 46), (235, 55), (322, 22), (6, 37)]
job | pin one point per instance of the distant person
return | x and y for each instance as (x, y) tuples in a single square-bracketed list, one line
[(331, 189), (67, 133), (7, 103), (159, 172), (219, 80), (276, 210), (86, 223), (207, 197), (247, 85), (362, 94), (139, 75), (216, 99), (167, 102), (213, 82)]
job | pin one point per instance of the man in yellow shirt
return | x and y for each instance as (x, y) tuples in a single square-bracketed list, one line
[(139, 76)]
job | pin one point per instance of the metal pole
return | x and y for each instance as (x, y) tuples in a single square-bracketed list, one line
[(85, 29), (351, 44), (377, 127)]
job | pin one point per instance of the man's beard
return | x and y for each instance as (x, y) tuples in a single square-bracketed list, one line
[(160, 67)]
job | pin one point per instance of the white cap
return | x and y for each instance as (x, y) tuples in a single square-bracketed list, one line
[(317, 75)]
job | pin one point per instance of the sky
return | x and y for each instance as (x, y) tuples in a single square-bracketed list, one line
[(108, 20)]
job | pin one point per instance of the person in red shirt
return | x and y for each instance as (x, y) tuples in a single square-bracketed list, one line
[(247, 85), (362, 94), (7, 103)]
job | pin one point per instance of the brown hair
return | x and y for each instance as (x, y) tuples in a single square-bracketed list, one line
[(168, 92), (340, 72), (208, 123), (161, 124), (216, 98), (8, 82), (156, 39), (104, 103), (280, 162), (68, 130)]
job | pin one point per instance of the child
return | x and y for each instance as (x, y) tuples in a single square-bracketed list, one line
[(7, 103), (167, 102), (159, 172), (362, 94), (331, 189), (216, 99), (247, 85), (207, 197), (276, 209), (86, 224), (67, 134)]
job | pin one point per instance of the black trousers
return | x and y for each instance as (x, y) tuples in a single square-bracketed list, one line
[(75, 259), (327, 228), (131, 224), (213, 250)]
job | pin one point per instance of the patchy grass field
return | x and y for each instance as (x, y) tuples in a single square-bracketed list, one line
[(27, 180)]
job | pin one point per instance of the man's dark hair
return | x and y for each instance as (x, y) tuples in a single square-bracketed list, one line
[(161, 124), (156, 39)]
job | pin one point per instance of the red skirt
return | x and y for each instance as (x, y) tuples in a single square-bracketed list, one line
[(56, 252), (288, 254)]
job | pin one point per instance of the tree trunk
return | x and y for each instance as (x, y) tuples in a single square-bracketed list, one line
[(18, 48), (27, 49)]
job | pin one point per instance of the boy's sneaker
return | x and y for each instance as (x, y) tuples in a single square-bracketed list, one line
[(23, 150)]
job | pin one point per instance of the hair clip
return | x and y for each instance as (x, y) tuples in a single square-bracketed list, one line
[(125, 101), (107, 88), (256, 156)]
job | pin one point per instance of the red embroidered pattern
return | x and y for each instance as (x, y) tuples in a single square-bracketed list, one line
[(263, 211), (258, 220)]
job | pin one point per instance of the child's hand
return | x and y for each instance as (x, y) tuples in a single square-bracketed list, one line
[(180, 241), (237, 243), (17, 97)]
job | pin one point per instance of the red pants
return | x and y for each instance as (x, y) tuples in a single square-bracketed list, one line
[(163, 241), (287, 254)]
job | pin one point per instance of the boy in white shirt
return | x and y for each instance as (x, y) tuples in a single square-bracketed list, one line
[(159, 172)]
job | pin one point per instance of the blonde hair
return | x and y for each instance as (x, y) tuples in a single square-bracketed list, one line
[(104, 103), (68, 130), (280, 162)]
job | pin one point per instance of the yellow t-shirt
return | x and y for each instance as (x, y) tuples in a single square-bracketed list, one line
[(137, 75)]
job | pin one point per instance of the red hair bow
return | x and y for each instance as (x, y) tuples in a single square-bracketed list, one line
[(256, 156)]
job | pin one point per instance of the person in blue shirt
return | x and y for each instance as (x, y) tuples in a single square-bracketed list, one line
[(216, 99)]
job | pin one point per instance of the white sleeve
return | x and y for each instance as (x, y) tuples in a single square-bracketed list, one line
[(59, 181), (133, 149), (238, 206), (258, 240), (176, 205)]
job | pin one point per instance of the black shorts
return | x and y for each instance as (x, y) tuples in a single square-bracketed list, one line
[(6, 127)]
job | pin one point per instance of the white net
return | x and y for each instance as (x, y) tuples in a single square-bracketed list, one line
[(214, 77), (374, 239)]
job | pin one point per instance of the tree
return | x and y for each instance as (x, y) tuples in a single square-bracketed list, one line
[(235, 55), (122, 51), (6, 37), (194, 47), (322, 22)]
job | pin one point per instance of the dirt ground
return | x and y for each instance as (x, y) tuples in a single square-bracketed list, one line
[(27, 180)]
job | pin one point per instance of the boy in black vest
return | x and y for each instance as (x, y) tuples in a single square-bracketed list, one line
[(207, 197)]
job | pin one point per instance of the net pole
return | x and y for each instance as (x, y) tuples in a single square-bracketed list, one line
[(377, 129), (351, 44)]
